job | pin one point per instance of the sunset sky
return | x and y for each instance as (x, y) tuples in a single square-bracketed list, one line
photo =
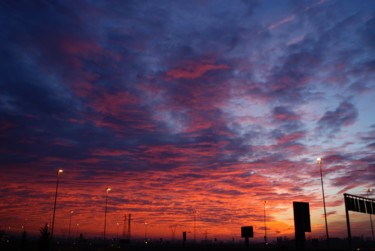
[(179, 107)]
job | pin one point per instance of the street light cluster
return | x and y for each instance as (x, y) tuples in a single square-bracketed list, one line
[(319, 161), (59, 172)]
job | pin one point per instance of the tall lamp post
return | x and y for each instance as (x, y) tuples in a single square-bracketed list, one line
[(265, 224), (60, 171), (70, 222), (146, 231), (320, 162), (105, 210), (372, 228), (195, 224)]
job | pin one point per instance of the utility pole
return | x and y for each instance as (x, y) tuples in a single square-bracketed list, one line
[(320, 161), (129, 226), (124, 228), (265, 224)]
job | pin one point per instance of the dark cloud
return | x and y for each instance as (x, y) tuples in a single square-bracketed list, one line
[(332, 121), (368, 32), (282, 113), (372, 145)]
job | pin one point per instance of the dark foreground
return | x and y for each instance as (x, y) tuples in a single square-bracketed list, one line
[(31, 244)]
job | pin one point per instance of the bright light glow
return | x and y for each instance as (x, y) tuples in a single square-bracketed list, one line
[(108, 189)]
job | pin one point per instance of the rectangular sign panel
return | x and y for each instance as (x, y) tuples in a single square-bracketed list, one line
[(359, 204), (302, 216), (247, 232)]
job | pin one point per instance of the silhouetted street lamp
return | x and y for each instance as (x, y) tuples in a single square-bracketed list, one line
[(24, 224), (70, 222), (372, 228), (60, 171), (265, 224), (195, 224), (118, 224), (105, 210), (320, 161), (146, 231)]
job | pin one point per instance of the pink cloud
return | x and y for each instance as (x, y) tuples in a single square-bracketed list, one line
[(282, 22), (194, 70), (291, 137)]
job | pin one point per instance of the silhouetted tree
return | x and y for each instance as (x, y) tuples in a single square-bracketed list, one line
[(45, 238)]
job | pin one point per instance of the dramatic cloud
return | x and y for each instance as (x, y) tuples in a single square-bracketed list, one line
[(345, 115), (184, 107)]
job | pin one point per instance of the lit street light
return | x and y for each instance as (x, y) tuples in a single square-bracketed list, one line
[(60, 171), (372, 228), (70, 223), (118, 224), (320, 161), (105, 210)]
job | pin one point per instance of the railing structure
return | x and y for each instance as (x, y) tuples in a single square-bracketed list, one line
[(357, 204)]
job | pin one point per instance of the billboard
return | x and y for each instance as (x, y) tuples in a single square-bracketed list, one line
[(359, 204), (302, 216), (247, 232), (301, 223)]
